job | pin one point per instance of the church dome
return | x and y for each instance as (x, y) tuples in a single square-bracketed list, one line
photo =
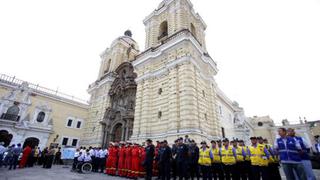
[(127, 37)]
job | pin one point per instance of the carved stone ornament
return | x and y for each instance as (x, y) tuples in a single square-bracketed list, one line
[(118, 118)]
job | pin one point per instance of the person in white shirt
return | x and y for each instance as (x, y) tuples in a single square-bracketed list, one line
[(87, 157), (75, 159), (102, 159)]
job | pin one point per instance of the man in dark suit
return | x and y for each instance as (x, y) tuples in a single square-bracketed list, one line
[(165, 155), (148, 163), (182, 159)]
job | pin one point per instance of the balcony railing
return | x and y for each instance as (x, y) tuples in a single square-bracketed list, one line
[(17, 82), (10, 117)]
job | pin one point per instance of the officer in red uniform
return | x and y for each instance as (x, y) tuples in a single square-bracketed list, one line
[(122, 160), (135, 161), (112, 160), (142, 159), (128, 160), (108, 161)]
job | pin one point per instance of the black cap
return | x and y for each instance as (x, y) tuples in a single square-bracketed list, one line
[(253, 137), (203, 142), (259, 138), (149, 140), (225, 140)]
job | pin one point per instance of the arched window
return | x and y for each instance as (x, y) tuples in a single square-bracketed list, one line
[(13, 110), (107, 69), (163, 29), (193, 30), (41, 116), (12, 113)]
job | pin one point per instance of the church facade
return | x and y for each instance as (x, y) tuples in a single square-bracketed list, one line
[(164, 92)]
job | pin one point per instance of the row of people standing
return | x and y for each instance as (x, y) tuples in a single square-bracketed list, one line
[(16, 156), (96, 155), (222, 160)]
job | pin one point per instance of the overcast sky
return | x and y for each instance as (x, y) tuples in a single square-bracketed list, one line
[(268, 52)]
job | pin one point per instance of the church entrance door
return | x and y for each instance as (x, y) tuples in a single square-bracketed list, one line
[(117, 133), (31, 142)]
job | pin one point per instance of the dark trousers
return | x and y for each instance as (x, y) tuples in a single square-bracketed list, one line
[(148, 167), (1, 160), (95, 163), (241, 171), (230, 171), (30, 161), (247, 169), (174, 169), (206, 172), (102, 164), (194, 171), (48, 161), (274, 173), (182, 169), (75, 162), (255, 172), (14, 162), (265, 173), (217, 171), (164, 170)]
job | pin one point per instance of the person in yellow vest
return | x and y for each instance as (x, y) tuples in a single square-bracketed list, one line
[(205, 159), (241, 155), (265, 159), (247, 163), (259, 160), (229, 159), (274, 165), (217, 169)]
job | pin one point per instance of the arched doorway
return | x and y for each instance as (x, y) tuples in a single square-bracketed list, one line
[(5, 137), (119, 117), (31, 141), (117, 133)]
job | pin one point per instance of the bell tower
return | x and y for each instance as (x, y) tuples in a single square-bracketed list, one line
[(170, 17), (176, 89)]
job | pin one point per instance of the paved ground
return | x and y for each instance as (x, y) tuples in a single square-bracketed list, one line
[(58, 173)]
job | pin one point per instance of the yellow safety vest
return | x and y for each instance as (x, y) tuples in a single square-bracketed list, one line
[(264, 160), (227, 156), (204, 157), (257, 156), (240, 157), (216, 155)]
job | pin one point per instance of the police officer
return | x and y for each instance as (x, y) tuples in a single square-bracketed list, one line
[(205, 159), (148, 163), (216, 162), (182, 159), (241, 154), (246, 171), (164, 160), (194, 157), (264, 161), (173, 161), (228, 157)]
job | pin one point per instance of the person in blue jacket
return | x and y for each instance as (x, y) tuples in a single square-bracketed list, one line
[(289, 151)]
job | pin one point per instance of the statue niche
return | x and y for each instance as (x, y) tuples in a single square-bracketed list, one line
[(119, 117)]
